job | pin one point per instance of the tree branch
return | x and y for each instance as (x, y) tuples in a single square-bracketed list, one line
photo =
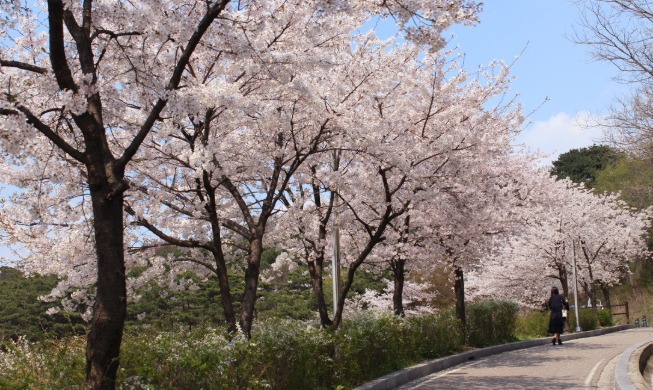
[(60, 66), (165, 237), (23, 66), (46, 131), (211, 14)]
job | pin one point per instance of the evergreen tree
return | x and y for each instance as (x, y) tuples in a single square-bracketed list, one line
[(582, 165)]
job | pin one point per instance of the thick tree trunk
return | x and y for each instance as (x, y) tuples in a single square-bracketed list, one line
[(606, 296), (398, 270), (251, 285), (110, 308), (562, 275), (315, 269), (459, 289), (225, 290), (351, 273), (218, 255), (398, 267)]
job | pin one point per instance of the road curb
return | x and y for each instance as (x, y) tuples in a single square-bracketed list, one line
[(406, 375), (630, 366)]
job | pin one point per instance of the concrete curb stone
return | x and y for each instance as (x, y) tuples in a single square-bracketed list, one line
[(630, 367)]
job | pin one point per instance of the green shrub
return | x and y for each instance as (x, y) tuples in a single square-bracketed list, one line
[(588, 319), (282, 354), (533, 324), (491, 322), (439, 334), (48, 364), (183, 359), (305, 352), (605, 317), (371, 344)]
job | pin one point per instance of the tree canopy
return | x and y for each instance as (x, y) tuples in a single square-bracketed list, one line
[(582, 165)]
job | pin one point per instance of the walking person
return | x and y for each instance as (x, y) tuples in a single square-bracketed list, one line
[(556, 304)]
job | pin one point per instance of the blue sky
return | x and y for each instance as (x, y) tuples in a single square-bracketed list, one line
[(550, 66)]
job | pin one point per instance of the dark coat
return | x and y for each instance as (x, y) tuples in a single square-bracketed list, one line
[(556, 304)]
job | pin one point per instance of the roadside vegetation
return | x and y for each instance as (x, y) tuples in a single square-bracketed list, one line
[(177, 338), (282, 353), (187, 346)]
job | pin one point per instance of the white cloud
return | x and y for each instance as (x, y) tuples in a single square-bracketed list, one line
[(559, 134)]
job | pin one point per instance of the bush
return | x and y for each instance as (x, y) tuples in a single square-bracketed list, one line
[(491, 322), (184, 359), (533, 324), (286, 354), (439, 334), (371, 344), (48, 364), (295, 354), (605, 317), (588, 319), (282, 354)]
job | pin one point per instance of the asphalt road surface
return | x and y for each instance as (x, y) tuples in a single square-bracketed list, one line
[(586, 363)]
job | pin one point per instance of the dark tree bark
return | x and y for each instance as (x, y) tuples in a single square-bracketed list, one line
[(398, 270), (398, 267), (218, 254), (225, 292), (606, 296), (110, 307), (251, 285), (316, 267), (316, 270), (588, 288), (459, 289), (562, 276)]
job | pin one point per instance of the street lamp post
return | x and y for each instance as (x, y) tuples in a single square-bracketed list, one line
[(573, 260), (335, 263), (335, 268)]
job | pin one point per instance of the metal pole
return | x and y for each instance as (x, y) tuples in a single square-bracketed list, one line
[(335, 262), (335, 268), (573, 260)]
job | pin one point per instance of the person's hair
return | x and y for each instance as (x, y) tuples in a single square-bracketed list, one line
[(554, 291)]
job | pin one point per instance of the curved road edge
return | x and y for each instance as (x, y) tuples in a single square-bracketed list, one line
[(629, 371), (406, 375)]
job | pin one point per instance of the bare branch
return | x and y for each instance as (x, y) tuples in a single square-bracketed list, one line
[(46, 130), (211, 14), (57, 50), (23, 66)]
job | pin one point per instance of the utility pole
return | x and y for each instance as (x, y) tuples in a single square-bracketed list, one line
[(573, 260), (335, 262)]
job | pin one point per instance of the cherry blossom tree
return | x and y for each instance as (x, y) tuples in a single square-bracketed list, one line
[(210, 184), (66, 91), (433, 147), (83, 94), (321, 105), (556, 215)]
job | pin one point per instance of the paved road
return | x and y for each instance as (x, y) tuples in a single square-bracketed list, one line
[(586, 363)]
